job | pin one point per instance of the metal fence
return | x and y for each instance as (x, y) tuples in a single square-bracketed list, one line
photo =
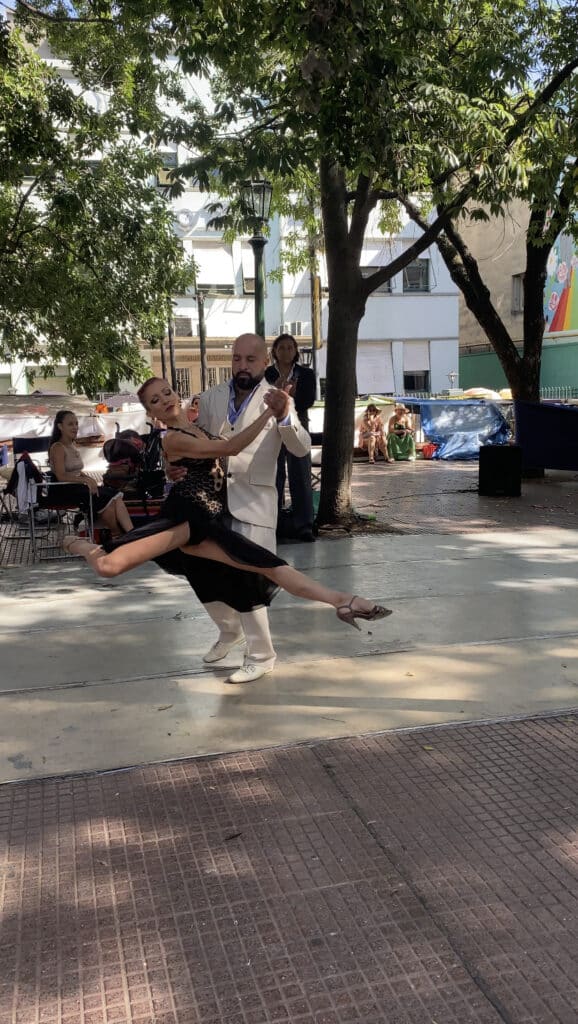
[(556, 394), (559, 394)]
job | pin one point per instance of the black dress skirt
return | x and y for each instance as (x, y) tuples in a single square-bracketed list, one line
[(199, 500)]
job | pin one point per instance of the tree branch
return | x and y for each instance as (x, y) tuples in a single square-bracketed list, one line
[(23, 200), (362, 206), (58, 20), (464, 272)]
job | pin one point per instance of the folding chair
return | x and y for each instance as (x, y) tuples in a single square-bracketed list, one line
[(316, 450), (45, 500)]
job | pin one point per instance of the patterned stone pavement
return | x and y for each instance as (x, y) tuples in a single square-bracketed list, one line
[(423, 877), (442, 497)]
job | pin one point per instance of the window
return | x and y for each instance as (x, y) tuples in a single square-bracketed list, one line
[(164, 178), (215, 274), (212, 377), (416, 276), (416, 381), (224, 374), (183, 383), (248, 265), (183, 327), (518, 293), (384, 289)]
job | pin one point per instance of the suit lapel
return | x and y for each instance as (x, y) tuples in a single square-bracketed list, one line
[(220, 410)]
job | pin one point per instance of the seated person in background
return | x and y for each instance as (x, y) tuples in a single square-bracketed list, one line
[(372, 433), (67, 467), (193, 409), (400, 442)]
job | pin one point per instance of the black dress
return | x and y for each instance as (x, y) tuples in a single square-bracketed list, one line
[(199, 500)]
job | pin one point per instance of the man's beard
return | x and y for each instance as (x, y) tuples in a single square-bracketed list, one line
[(245, 382)]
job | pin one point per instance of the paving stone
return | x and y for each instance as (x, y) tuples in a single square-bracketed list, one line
[(407, 878)]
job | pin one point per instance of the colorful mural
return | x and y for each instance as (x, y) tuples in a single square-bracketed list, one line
[(561, 291)]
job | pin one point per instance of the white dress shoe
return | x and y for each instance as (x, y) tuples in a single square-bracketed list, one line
[(221, 649), (250, 671)]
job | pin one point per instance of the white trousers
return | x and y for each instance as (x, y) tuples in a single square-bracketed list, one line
[(253, 625)]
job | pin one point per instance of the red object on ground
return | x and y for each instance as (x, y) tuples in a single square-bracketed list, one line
[(428, 451)]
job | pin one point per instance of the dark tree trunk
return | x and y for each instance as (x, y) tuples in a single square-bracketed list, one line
[(338, 427), (528, 387), (346, 308)]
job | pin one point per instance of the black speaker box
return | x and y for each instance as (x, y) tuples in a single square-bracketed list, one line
[(500, 472)]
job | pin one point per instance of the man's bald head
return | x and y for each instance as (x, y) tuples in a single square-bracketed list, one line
[(254, 341), (250, 359)]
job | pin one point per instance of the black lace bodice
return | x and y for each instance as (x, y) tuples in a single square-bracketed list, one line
[(202, 488)]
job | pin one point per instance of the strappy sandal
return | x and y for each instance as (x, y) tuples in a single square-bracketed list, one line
[(348, 614)]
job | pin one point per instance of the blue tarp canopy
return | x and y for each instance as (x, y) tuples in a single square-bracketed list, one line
[(460, 428)]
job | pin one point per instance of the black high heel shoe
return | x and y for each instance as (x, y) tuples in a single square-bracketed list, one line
[(348, 614)]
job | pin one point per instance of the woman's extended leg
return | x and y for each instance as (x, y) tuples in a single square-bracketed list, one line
[(293, 581), (129, 556), (371, 448)]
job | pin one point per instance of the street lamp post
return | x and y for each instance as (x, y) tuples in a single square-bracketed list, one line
[(171, 337), (202, 338), (256, 198)]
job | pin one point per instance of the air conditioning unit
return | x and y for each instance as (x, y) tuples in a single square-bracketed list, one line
[(295, 327)]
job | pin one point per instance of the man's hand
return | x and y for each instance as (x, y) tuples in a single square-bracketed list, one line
[(175, 473), (278, 402)]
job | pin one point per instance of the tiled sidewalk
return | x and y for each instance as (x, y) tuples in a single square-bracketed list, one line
[(424, 877)]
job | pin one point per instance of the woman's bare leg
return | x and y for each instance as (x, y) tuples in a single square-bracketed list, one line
[(129, 556), (122, 559), (371, 449), (116, 518), (285, 576), (122, 515)]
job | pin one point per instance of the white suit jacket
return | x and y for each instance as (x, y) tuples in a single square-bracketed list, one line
[(251, 490)]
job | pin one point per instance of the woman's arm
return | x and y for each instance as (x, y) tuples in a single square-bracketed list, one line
[(179, 446)]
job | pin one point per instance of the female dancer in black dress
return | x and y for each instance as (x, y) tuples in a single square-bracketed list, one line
[(191, 517)]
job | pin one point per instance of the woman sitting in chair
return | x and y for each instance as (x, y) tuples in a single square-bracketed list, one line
[(67, 467), (400, 442), (372, 433)]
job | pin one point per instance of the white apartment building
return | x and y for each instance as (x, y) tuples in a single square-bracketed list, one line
[(408, 340)]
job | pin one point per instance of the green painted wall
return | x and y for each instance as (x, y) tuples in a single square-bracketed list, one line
[(559, 368)]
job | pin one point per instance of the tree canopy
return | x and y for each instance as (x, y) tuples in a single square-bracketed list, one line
[(88, 257), (438, 106)]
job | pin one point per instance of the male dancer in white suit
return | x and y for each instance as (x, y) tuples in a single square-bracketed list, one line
[(251, 492)]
